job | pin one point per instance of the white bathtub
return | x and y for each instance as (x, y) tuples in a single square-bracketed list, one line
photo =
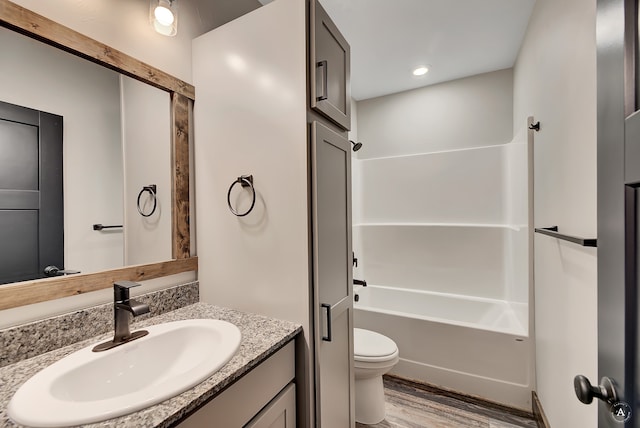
[(472, 345)]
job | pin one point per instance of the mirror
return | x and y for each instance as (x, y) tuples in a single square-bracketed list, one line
[(115, 141), (16, 18)]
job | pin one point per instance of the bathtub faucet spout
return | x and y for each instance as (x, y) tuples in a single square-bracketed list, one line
[(359, 282)]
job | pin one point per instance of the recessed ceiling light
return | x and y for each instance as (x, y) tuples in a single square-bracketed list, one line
[(421, 71)]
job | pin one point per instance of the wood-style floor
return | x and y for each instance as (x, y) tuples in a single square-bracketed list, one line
[(412, 405)]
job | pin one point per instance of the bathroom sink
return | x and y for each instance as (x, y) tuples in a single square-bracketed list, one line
[(88, 386)]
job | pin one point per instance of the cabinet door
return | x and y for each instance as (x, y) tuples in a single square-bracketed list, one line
[(239, 404), (331, 210), (280, 413), (329, 70)]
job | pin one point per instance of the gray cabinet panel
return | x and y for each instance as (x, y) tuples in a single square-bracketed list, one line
[(329, 68), (632, 148), (245, 402), (280, 413), (332, 271), (335, 371), (333, 278)]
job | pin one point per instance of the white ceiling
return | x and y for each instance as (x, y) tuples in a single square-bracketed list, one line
[(456, 38)]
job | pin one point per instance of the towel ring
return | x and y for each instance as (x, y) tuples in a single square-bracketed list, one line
[(152, 191), (245, 181)]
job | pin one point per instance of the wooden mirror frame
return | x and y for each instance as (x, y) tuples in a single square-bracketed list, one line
[(26, 22)]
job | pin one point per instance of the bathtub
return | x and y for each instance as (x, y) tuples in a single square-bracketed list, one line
[(475, 346)]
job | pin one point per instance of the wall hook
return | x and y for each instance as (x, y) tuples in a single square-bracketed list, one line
[(535, 126)]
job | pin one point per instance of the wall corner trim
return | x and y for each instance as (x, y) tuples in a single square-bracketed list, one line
[(538, 412)]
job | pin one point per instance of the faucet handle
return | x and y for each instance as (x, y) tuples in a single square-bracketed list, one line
[(121, 290)]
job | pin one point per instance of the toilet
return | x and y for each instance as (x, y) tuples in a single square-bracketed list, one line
[(374, 355)]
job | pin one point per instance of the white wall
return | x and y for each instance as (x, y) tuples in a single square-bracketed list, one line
[(93, 169), (146, 138), (250, 118), (471, 112), (462, 186), (468, 261), (430, 189), (124, 25), (356, 194), (259, 262), (517, 212), (442, 203), (555, 81), (47, 79)]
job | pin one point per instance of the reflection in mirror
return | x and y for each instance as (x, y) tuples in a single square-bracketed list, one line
[(116, 140)]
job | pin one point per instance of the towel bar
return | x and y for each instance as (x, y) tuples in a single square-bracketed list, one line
[(553, 231)]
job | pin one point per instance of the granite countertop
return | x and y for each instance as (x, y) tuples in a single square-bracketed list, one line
[(261, 338)]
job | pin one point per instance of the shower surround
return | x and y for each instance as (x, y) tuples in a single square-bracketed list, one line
[(443, 238)]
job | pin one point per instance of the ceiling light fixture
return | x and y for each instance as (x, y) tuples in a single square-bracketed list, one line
[(421, 71), (163, 15)]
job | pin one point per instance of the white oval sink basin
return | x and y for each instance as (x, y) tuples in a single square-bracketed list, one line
[(88, 386)]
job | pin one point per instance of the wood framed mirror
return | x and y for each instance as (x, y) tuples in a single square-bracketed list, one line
[(28, 23)]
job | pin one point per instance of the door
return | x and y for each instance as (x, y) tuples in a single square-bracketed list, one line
[(329, 70), (618, 216), (31, 194), (332, 273)]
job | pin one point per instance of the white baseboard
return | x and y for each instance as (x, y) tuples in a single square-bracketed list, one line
[(501, 392)]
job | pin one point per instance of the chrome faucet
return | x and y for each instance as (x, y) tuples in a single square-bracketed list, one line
[(122, 307)]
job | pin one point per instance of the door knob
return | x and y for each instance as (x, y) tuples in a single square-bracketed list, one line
[(585, 392)]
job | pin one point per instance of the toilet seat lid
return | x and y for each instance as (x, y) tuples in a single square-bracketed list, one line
[(369, 344)]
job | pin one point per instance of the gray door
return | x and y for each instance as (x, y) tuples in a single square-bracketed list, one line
[(333, 278), (618, 216), (31, 207)]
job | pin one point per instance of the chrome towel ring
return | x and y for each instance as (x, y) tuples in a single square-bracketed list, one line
[(245, 181), (152, 191)]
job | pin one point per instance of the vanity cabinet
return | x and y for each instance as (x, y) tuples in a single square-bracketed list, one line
[(263, 398), (329, 69)]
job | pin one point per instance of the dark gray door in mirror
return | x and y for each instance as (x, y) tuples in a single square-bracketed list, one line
[(31, 193)]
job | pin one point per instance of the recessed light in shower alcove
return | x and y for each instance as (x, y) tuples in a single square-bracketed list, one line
[(421, 70)]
